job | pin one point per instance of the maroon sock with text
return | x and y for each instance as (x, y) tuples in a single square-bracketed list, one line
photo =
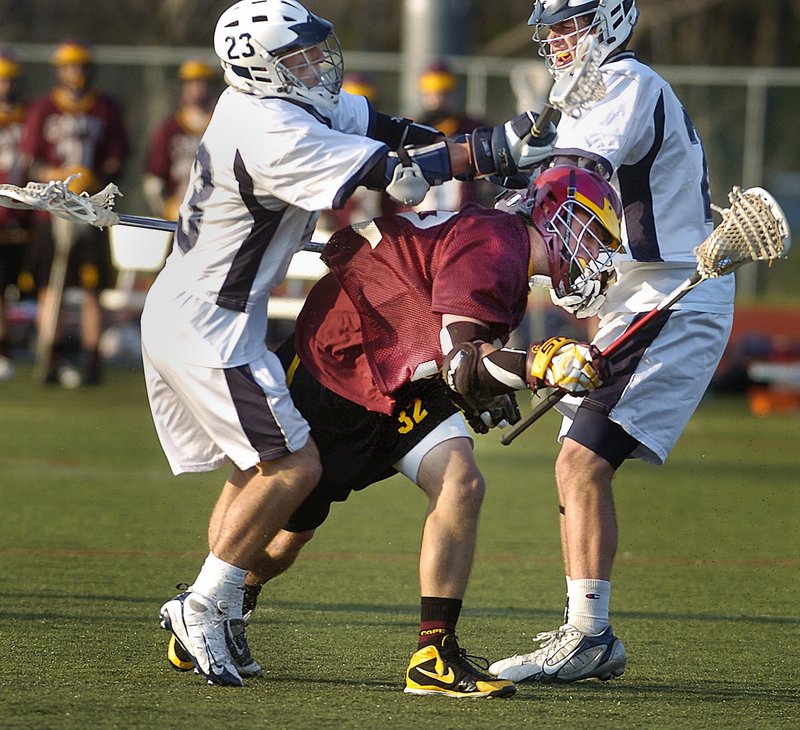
[(438, 617)]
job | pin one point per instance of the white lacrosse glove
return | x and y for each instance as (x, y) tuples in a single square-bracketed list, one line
[(528, 151), (588, 297), (504, 150), (568, 365)]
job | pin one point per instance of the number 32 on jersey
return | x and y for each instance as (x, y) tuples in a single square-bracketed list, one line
[(411, 415)]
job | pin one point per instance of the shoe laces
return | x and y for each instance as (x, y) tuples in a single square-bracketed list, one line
[(545, 638), (455, 653)]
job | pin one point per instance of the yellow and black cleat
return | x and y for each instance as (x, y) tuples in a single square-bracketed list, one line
[(447, 670), (178, 657)]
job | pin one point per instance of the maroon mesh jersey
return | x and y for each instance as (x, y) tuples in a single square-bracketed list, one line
[(10, 133), (171, 153), (86, 134), (373, 324)]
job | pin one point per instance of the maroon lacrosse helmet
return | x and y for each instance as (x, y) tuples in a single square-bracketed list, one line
[(578, 214)]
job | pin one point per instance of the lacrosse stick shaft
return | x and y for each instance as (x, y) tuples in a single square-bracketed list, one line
[(159, 224), (63, 240), (547, 404), (140, 221), (543, 120)]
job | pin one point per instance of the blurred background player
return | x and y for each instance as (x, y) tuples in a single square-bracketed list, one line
[(73, 129), (175, 139), (14, 224), (442, 108)]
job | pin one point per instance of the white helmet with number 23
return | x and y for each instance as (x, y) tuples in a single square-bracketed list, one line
[(611, 21), (278, 48)]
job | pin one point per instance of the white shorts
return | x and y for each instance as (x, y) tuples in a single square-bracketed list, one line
[(206, 417), (656, 401), (451, 428)]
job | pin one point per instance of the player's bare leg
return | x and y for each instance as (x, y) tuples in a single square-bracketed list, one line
[(589, 537), (585, 645), (263, 500), (455, 488), (206, 621)]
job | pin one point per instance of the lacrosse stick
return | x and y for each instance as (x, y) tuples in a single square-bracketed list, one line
[(64, 234), (754, 228), (56, 198), (577, 89)]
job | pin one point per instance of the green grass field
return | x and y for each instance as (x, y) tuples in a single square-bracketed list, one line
[(96, 533)]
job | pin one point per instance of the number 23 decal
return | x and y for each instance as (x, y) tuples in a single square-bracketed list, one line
[(409, 420), (240, 46)]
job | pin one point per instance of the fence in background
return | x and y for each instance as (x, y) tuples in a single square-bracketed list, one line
[(745, 115)]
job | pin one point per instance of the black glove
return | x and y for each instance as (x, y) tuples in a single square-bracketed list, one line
[(496, 412), (482, 408)]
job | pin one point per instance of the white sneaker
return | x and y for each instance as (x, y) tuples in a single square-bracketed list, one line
[(6, 369), (203, 628), (566, 655), (240, 648)]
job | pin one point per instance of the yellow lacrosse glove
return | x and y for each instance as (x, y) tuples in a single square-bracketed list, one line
[(572, 366)]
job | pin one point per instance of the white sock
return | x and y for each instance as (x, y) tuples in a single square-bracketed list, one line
[(588, 604), (221, 581), (566, 600)]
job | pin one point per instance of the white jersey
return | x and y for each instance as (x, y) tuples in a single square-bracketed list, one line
[(641, 132), (264, 169)]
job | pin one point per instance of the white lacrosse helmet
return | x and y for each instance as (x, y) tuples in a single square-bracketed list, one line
[(278, 48), (611, 21)]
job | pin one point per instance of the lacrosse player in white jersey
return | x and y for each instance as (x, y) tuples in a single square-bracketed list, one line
[(283, 143), (641, 138)]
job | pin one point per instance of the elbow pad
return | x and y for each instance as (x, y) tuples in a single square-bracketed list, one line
[(472, 372)]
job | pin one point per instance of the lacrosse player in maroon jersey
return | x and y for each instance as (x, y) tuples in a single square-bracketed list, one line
[(14, 223), (75, 130), (175, 140), (411, 296), (640, 137)]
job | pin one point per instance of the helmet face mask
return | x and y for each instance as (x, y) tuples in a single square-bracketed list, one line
[(560, 25), (278, 48), (314, 70), (577, 213), (581, 248)]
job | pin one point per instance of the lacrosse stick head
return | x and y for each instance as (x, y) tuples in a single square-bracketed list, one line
[(753, 228), (56, 198), (581, 86)]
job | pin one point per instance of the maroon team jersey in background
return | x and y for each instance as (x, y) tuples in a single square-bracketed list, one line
[(171, 153), (373, 323), (10, 133), (85, 134)]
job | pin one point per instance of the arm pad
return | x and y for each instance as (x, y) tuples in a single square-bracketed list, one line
[(483, 407), (480, 371), (399, 131)]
